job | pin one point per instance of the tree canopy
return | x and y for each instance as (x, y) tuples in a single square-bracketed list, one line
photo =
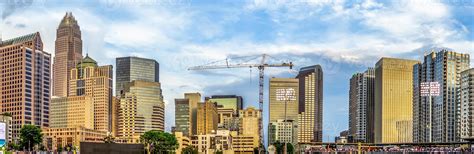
[(159, 142), (280, 146), (30, 136)]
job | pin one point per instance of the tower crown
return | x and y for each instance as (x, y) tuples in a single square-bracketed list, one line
[(68, 20), (87, 62)]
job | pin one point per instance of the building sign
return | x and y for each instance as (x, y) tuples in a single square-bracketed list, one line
[(287, 94), (3, 133), (429, 89)]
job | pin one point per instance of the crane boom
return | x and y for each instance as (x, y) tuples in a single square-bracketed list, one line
[(261, 67)]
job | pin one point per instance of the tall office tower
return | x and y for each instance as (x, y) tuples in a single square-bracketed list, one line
[(88, 79), (183, 116), (440, 124), (25, 81), (194, 99), (115, 109), (141, 110), (135, 68), (467, 103), (361, 103), (393, 107), (227, 101), (250, 119), (68, 52), (283, 90), (70, 112), (206, 118), (310, 108)]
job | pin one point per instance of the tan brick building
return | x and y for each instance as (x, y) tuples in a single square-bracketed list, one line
[(206, 118)]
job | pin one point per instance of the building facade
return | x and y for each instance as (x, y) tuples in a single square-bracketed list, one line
[(25, 81), (182, 118), (361, 104), (135, 68), (227, 101), (283, 90), (310, 104), (183, 141), (70, 112), (89, 79), (194, 99), (141, 109), (393, 107), (467, 104), (68, 52), (283, 131), (70, 137), (440, 124), (250, 120), (207, 118)]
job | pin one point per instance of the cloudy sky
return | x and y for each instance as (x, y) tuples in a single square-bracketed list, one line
[(343, 36)]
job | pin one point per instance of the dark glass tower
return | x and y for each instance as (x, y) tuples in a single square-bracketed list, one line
[(135, 68)]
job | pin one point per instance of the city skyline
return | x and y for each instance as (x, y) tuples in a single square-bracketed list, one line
[(338, 66)]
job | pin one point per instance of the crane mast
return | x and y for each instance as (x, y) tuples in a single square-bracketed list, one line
[(261, 69)]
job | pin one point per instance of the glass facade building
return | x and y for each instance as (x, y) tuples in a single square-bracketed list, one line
[(135, 68), (361, 104), (393, 107)]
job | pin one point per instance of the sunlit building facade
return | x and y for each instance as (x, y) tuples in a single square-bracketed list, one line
[(467, 104), (141, 110), (393, 107), (74, 111), (25, 81), (284, 131), (135, 68), (250, 119), (207, 118), (310, 104)]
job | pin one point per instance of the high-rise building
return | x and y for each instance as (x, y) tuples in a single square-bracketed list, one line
[(440, 124), (135, 68), (194, 99), (393, 107), (25, 81), (141, 109), (467, 104), (206, 118), (250, 120), (89, 79), (68, 52), (228, 107), (310, 105), (361, 104), (283, 91)]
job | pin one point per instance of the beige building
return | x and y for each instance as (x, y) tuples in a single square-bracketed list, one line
[(54, 138), (88, 79), (243, 144), (25, 81), (115, 116), (393, 107), (70, 112), (183, 141), (250, 120), (206, 118), (68, 52), (141, 110), (194, 99)]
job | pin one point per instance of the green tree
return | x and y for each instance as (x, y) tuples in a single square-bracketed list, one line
[(159, 142), (109, 139), (280, 147), (189, 150), (6, 114), (30, 136), (13, 146)]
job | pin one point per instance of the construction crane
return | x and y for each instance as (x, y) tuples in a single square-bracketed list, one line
[(246, 63)]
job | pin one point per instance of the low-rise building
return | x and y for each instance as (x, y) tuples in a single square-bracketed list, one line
[(183, 141), (55, 138)]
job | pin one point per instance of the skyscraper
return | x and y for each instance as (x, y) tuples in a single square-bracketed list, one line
[(467, 103), (68, 52), (361, 103), (89, 79), (135, 68), (393, 107), (141, 110), (25, 81), (283, 109), (440, 124), (183, 117), (206, 118), (228, 107), (310, 105)]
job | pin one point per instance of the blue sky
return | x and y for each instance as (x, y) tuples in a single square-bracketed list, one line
[(343, 36)]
